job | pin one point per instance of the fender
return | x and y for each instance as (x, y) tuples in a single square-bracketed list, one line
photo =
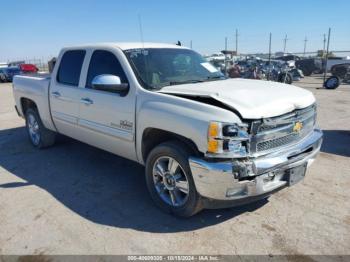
[(178, 115)]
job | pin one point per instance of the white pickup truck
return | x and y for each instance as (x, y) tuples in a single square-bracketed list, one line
[(206, 141)]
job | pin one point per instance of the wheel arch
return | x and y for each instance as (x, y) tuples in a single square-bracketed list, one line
[(153, 137), (27, 103)]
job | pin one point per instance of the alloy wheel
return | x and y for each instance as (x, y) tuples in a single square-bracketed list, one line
[(170, 181)]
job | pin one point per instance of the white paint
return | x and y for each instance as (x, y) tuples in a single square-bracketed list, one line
[(253, 99)]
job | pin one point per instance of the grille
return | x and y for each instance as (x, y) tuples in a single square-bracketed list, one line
[(281, 132), (275, 143)]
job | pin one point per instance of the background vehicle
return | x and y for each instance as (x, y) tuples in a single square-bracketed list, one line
[(7, 73), (336, 61), (341, 70), (309, 66), (340, 73), (206, 141), (28, 68), (2, 75)]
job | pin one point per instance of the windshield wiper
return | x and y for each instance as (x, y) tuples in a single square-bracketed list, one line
[(216, 77), (185, 82)]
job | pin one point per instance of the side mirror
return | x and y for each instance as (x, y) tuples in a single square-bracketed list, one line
[(110, 83)]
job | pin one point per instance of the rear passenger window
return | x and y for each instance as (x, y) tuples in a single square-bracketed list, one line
[(70, 67), (104, 62)]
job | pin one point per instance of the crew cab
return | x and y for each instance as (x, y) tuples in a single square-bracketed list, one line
[(205, 141)]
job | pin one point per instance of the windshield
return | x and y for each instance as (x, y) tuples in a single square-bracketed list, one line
[(159, 67)]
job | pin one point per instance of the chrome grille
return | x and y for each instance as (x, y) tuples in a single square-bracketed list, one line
[(280, 131), (275, 143)]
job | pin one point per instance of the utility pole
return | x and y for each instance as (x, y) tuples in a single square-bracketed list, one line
[(225, 56), (191, 44), (236, 41), (305, 41), (270, 48), (268, 74), (285, 44), (324, 43), (325, 64)]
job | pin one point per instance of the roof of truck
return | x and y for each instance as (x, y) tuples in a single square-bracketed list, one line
[(128, 45)]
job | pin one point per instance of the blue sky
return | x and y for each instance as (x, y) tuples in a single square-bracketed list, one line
[(40, 28)]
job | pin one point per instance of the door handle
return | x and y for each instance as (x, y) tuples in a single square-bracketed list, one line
[(56, 94), (86, 101)]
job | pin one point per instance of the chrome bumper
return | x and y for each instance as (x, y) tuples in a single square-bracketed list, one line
[(223, 180)]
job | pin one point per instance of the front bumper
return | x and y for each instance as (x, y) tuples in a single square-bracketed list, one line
[(267, 174)]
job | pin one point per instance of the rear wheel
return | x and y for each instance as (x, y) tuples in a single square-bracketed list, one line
[(39, 135), (169, 180), (286, 78)]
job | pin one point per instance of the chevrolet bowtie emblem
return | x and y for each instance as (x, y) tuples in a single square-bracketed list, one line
[(297, 127)]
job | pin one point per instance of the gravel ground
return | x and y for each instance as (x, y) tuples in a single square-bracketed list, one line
[(76, 199)]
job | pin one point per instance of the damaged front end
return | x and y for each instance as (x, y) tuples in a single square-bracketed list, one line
[(273, 153)]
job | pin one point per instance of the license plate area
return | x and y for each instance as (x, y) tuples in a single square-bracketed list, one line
[(296, 174)]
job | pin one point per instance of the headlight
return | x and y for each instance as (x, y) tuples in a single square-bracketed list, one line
[(227, 140)]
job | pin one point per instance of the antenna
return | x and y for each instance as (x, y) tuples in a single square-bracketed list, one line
[(141, 31), (143, 53)]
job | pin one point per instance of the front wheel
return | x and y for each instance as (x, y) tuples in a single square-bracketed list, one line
[(169, 180)]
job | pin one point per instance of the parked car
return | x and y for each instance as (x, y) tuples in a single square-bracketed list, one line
[(336, 61), (2, 75), (7, 73), (340, 73), (3, 64), (309, 65), (205, 141), (28, 68), (341, 70)]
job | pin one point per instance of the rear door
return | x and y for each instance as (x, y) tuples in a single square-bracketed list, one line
[(65, 92), (107, 119)]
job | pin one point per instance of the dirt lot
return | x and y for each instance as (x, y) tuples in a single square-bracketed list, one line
[(75, 199)]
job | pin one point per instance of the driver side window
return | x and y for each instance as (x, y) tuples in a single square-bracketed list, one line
[(104, 62)]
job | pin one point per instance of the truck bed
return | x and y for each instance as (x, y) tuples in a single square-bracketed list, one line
[(35, 88)]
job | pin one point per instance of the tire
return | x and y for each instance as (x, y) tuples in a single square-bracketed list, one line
[(307, 72), (184, 205), (332, 82), (39, 135), (286, 78)]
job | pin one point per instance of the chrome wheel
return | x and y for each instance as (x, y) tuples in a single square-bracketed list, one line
[(34, 130), (170, 181)]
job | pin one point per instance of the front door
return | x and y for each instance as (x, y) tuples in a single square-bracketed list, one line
[(107, 119)]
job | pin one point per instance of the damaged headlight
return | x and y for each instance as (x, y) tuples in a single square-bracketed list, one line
[(227, 140)]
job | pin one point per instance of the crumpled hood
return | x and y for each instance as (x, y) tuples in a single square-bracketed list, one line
[(253, 99)]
